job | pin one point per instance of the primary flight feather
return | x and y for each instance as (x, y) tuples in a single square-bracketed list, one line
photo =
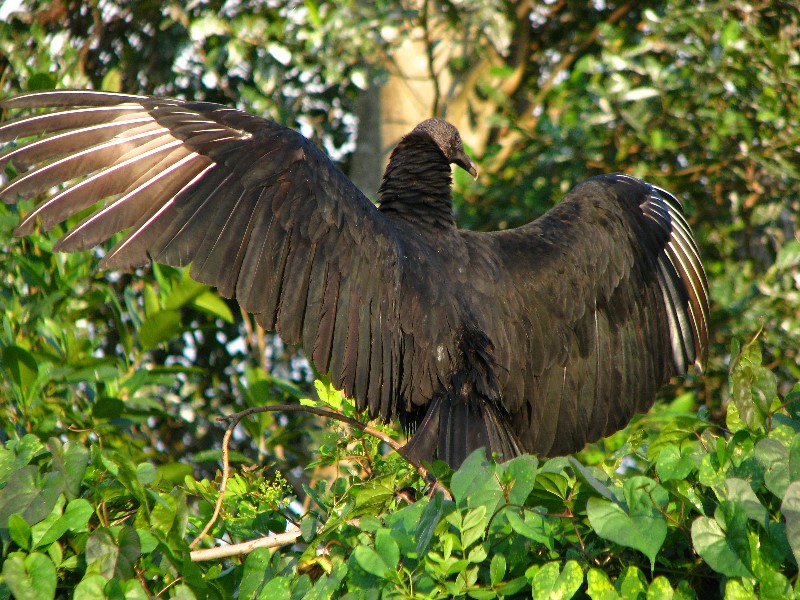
[(537, 339)]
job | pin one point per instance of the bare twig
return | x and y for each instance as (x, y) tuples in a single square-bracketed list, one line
[(322, 412), (270, 541), (224, 483)]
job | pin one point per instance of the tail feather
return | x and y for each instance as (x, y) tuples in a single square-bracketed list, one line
[(453, 429)]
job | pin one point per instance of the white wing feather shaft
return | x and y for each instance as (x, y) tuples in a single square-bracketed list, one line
[(679, 262), (135, 163)]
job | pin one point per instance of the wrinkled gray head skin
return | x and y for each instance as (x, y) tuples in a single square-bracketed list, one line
[(448, 140)]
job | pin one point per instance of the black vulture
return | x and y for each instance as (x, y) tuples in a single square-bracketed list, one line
[(537, 339)]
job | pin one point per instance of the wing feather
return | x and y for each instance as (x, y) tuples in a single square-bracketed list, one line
[(614, 303), (255, 208)]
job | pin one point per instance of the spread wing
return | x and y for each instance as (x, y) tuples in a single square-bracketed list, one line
[(607, 299), (256, 208)]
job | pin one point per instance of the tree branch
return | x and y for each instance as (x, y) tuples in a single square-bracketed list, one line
[(270, 541), (513, 139)]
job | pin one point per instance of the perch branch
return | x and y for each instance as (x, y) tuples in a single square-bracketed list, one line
[(270, 541)]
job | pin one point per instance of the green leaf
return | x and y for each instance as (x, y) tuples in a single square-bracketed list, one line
[(326, 586), (640, 525), (432, 515), (21, 367), (475, 483), (774, 586), (160, 327), (18, 455), (91, 586), (473, 526), (730, 33), (373, 496), (736, 589), (313, 13), (112, 81), (599, 586), (513, 586), (328, 394), (631, 583), (794, 458), (20, 531), (71, 460), (549, 582), (74, 518), (753, 386), (387, 548), (788, 256), (30, 577), (593, 482), (184, 292), (534, 527), (676, 463), (371, 561), (146, 473), (790, 508), (555, 484), (497, 569), (522, 470), (256, 573), (113, 557), (42, 81), (740, 491), (147, 541), (478, 554), (152, 303), (275, 589), (660, 589), (102, 550), (182, 592), (722, 550), (781, 464), (673, 434), (211, 303), (544, 580), (33, 499), (108, 408)]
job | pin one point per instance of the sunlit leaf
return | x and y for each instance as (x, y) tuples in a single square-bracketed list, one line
[(30, 577)]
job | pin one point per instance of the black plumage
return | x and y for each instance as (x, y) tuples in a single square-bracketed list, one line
[(536, 339)]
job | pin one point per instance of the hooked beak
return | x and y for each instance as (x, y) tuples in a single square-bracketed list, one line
[(465, 162)]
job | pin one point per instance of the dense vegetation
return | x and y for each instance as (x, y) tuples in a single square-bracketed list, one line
[(112, 383)]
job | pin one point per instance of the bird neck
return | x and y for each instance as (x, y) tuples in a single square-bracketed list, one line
[(416, 185)]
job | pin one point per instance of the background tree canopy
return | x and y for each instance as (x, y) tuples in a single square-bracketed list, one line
[(112, 383)]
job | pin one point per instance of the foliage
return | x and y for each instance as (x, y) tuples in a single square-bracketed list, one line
[(682, 510), (111, 384)]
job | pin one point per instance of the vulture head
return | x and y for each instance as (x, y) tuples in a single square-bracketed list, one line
[(448, 140)]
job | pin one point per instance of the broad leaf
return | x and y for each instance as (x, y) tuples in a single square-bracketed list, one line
[(639, 525), (790, 508), (160, 327), (30, 577), (725, 550)]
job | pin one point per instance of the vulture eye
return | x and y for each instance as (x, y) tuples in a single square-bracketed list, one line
[(532, 340)]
